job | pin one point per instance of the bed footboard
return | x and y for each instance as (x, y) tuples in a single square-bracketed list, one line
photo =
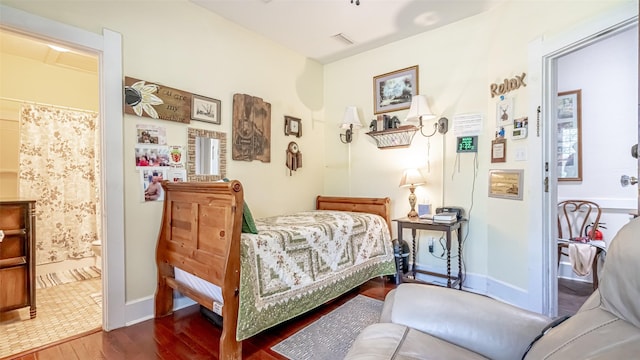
[(200, 234)]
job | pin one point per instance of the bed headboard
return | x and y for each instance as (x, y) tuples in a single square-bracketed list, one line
[(378, 206)]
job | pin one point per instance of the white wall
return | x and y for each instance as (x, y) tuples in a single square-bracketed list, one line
[(457, 64), (609, 121)]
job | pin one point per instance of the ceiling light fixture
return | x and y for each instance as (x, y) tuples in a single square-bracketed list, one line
[(58, 48), (357, 2)]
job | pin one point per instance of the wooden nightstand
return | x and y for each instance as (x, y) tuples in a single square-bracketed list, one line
[(424, 224)]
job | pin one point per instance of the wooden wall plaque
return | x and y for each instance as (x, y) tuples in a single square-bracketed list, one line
[(251, 129), (156, 101)]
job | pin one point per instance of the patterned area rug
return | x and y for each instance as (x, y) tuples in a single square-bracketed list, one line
[(64, 277), (97, 297), (331, 336)]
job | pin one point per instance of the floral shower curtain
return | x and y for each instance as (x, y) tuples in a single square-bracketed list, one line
[(59, 168)]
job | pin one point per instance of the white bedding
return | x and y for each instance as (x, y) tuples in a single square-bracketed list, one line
[(199, 285)]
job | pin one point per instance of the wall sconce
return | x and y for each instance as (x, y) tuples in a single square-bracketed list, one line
[(412, 178), (350, 121), (420, 110)]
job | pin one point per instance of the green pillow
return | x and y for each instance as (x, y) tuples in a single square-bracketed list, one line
[(248, 225)]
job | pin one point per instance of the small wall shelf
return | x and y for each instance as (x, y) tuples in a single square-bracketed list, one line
[(394, 138)]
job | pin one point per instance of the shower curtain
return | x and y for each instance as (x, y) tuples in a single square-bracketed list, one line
[(59, 168)]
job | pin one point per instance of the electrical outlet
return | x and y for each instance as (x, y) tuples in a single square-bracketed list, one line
[(431, 245)]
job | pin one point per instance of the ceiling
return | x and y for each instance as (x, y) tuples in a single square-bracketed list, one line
[(305, 26), (40, 50), (309, 26)]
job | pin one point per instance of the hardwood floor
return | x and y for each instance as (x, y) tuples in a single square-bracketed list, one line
[(571, 295), (188, 335)]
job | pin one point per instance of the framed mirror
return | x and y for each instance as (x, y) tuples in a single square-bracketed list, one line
[(206, 155)]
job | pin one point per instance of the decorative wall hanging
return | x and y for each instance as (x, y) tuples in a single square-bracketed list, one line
[(393, 91), (506, 184), (508, 85), (156, 101), (498, 150), (205, 109), (294, 157), (504, 111), (569, 136), (251, 129), (292, 126)]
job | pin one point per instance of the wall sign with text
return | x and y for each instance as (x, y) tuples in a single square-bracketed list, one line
[(156, 101)]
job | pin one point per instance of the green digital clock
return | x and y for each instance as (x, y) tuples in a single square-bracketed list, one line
[(467, 144)]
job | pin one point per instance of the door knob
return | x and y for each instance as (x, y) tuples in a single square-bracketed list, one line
[(626, 180)]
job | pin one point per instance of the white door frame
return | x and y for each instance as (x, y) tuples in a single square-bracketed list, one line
[(108, 48), (543, 60)]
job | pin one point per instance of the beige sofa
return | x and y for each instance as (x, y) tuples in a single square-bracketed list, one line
[(429, 322)]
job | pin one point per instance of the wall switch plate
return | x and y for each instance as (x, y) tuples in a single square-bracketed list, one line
[(521, 154)]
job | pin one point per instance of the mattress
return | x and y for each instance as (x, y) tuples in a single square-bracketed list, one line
[(202, 286)]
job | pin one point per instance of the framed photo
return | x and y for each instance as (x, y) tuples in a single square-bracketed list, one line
[(506, 184), (292, 126), (393, 91), (498, 150), (569, 137), (504, 112), (205, 109)]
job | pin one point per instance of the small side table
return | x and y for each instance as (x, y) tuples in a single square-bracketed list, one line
[(427, 224)]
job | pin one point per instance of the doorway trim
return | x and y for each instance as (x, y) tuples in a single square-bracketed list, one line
[(543, 56), (108, 48)]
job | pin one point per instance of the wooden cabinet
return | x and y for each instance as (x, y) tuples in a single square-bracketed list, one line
[(17, 255)]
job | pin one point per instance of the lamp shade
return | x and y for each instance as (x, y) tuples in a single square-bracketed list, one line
[(351, 118), (419, 109), (412, 177)]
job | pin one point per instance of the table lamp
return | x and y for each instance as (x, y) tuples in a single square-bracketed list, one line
[(412, 178)]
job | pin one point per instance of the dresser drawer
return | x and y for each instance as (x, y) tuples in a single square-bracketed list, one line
[(12, 217), (13, 246), (13, 282)]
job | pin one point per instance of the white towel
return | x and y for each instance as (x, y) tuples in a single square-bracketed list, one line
[(581, 257)]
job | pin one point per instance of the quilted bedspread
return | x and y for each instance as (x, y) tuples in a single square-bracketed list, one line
[(298, 262)]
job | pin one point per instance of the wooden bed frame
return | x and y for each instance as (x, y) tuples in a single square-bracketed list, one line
[(200, 234)]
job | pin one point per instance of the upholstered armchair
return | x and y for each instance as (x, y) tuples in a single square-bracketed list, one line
[(429, 322)]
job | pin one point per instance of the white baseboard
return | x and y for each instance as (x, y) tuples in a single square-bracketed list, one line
[(483, 285), (143, 309), (509, 294), (566, 272)]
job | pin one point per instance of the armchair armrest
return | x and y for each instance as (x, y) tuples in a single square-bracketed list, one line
[(486, 326)]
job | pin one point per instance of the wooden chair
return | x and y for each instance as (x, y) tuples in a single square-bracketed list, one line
[(574, 217)]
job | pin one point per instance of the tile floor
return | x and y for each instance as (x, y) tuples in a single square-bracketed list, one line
[(62, 311)]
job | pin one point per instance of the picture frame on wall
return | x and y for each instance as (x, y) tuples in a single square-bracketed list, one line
[(506, 184), (504, 111), (292, 126), (393, 91), (499, 150), (569, 135), (205, 109)]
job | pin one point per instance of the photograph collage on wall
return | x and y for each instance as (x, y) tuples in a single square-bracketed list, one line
[(156, 161)]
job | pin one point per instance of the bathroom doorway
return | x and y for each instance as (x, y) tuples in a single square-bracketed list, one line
[(52, 80)]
